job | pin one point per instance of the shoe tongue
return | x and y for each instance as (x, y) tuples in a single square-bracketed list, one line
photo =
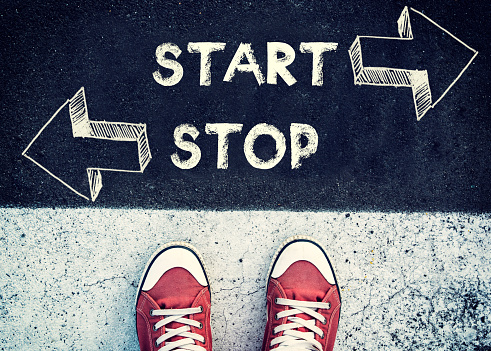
[(303, 282), (304, 295), (176, 301), (177, 288), (314, 295)]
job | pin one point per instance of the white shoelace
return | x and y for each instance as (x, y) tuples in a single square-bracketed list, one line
[(188, 339), (295, 340)]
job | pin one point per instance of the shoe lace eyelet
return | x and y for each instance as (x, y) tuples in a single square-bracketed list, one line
[(156, 344), (200, 326), (154, 327), (322, 336), (324, 321), (276, 317), (200, 309), (276, 300), (151, 313)]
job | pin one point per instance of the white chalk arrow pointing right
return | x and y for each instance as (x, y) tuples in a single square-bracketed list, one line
[(396, 77)]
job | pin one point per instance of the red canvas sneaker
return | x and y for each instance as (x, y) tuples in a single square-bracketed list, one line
[(173, 301), (303, 301)]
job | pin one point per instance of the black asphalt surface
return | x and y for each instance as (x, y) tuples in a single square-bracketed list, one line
[(373, 154)]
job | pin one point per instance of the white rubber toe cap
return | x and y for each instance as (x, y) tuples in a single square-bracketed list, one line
[(172, 258), (303, 251)]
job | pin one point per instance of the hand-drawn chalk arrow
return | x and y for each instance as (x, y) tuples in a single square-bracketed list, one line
[(396, 77), (82, 127)]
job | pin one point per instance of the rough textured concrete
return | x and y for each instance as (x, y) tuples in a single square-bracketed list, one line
[(68, 277)]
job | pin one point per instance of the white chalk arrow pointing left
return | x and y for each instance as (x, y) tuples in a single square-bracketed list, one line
[(83, 127)]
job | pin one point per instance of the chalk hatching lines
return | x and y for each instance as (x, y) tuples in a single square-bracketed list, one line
[(83, 127), (387, 76)]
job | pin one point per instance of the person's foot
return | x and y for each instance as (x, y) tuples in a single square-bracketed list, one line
[(303, 301), (173, 301)]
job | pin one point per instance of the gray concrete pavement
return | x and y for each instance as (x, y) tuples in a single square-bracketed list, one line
[(68, 277)]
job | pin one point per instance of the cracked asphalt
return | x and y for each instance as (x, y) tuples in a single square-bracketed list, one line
[(409, 281)]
